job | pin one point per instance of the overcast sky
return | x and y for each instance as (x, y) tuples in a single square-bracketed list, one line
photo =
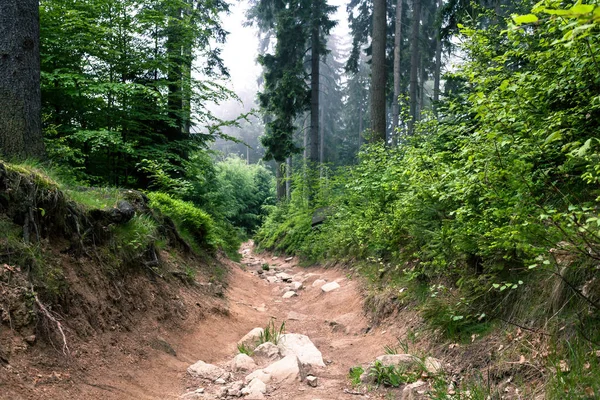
[(241, 49)]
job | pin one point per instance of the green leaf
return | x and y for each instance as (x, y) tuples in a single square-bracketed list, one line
[(554, 136), (524, 19), (582, 9)]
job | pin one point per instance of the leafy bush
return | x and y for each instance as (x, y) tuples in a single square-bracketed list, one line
[(194, 224), (493, 197)]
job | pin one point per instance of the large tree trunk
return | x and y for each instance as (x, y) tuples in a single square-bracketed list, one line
[(20, 93), (314, 89), (378, 124), (397, 56), (438, 61), (414, 64)]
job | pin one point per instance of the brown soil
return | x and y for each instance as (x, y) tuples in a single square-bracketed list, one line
[(133, 361)]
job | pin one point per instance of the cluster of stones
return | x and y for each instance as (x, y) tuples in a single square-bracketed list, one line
[(294, 358)]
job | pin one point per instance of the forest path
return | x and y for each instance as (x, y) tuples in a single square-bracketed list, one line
[(333, 321)]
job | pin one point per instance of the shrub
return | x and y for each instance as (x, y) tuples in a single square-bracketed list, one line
[(195, 225)]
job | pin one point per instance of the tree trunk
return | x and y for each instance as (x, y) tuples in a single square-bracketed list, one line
[(438, 62), (321, 141), (288, 181), (280, 183), (20, 92), (314, 89), (397, 59), (378, 124), (414, 64), (174, 75)]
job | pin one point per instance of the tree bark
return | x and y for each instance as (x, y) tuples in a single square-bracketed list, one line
[(280, 183), (314, 88), (378, 78), (20, 92), (438, 62), (288, 181), (397, 59), (414, 64)]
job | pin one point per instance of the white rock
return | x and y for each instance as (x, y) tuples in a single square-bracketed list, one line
[(289, 259), (299, 278), (249, 341), (259, 374), (235, 389), (267, 350), (331, 286), (319, 283), (295, 285), (433, 366), (294, 316), (312, 381), (243, 362), (301, 347), (285, 370), (415, 391), (284, 277), (220, 381), (255, 390), (406, 360), (272, 279), (206, 371), (290, 294)]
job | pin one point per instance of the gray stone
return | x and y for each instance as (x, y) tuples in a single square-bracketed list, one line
[(206, 371), (312, 381), (329, 287)]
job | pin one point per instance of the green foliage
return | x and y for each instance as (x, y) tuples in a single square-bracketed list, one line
[(271, 333), (194, 224), (94, 198), (355, 374), (576, 367), (491, 196), (118, 88), (239, 193), (243, 349), (132, 239), (393, 375)]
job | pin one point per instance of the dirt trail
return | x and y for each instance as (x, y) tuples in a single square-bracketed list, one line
[(121, 364), (334, 322)]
